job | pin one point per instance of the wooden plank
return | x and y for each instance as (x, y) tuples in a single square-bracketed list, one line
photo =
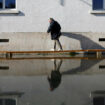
[(49, 58), (64, 51)]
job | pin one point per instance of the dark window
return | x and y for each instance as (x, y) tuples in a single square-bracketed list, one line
[(10, 102), (98, 101), (10, 4), (1, 102), (97, 4), (101, 39), (1, 4), (7, 102)]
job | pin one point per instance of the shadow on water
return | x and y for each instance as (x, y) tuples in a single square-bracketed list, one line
[(84, 66)]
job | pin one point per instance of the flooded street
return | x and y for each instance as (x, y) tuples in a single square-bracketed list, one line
[(52, 82)]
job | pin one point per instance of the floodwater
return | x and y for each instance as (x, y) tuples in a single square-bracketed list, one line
[(52, 82)]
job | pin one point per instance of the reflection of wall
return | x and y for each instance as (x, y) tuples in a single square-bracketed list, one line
[(7, 102), (34, 67), (98, 97), (44, 67), (10, 98), (88, 67), (95, 68), (74, 89)]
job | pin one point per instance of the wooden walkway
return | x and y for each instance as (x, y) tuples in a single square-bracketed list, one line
[(9, 54), (64, 51)]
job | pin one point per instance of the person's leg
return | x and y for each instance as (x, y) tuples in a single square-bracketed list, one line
[(55, 65), (59, 44), (59, 64), (54, 45)]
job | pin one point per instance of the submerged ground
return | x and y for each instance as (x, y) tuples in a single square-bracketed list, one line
[(75, 80)]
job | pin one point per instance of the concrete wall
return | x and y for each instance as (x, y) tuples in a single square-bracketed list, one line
[(73, 15), (42, 41)]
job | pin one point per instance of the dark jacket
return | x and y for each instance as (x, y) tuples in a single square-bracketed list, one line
[(54, 29), (55, 79)]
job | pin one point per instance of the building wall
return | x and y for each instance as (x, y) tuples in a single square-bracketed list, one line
[(25, 30), (36, 41), (73, 15)]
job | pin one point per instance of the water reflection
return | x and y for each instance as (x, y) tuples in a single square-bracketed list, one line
[(9, 98), (34, 67), (73, 81), (101, 66), (84, 67), (4, 67), (7, 102), (55, 78), (98, 97)]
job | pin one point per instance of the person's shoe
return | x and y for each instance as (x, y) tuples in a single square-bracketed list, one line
[(60, 49), (52, 60), (53, 50)]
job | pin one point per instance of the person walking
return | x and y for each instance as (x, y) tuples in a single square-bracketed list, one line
[(55, 30)]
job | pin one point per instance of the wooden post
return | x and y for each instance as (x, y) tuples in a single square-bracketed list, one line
[(8, 55), (99, 54)]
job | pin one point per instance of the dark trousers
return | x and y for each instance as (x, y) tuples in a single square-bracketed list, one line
[(57, 42)]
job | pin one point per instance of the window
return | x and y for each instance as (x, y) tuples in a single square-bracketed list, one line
[(99, 101), (1, 4), (7, 102), (7, 4), (98, 5), (98, 97), (10, 4)]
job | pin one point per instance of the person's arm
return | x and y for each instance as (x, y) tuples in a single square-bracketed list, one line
[(50, 28), (48, 78)]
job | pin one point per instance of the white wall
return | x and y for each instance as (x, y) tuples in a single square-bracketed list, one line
[(73, 15)]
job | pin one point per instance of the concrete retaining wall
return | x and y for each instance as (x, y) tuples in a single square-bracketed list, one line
[(42, 41)]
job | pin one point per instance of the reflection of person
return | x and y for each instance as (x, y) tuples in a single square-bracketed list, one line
[(55, 78), (55, 30)]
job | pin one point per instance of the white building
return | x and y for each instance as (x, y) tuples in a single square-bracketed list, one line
[(25, 23)]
